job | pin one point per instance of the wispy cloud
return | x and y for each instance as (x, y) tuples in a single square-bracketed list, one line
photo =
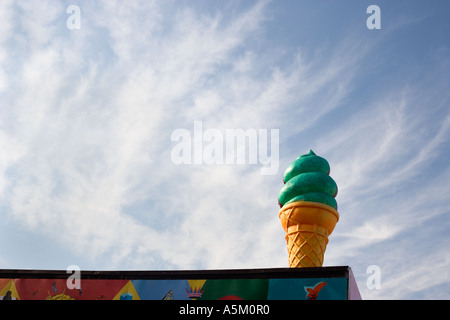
[(89, 144), (93, 137), (387, 160)]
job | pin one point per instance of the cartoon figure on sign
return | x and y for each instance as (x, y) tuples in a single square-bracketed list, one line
[(312, 292), (169, 295), (60, 296), (126, 296), (195, 289), (8, 296)]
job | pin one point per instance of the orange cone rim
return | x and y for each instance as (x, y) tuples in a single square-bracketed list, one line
[(308, 213)]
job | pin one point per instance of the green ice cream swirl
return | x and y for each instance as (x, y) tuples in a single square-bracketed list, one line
[(307, 179)]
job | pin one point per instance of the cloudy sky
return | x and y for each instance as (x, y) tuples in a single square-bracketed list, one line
[(90, 105)]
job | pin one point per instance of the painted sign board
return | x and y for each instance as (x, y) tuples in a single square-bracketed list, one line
[(325, 283)]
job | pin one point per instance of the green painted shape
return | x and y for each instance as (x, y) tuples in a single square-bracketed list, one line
[(310, 182), (307, 179), (309, 162)]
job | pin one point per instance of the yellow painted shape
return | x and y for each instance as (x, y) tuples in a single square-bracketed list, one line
[(10, 286), (128, 288)]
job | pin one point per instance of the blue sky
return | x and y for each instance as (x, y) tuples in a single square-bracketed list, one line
[(86, 118)]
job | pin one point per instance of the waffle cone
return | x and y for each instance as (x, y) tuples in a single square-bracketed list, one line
[(307, 226)]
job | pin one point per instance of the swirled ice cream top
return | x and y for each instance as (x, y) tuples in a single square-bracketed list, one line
[(308, 179)]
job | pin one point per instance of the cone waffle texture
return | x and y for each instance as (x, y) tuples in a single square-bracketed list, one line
[(307, 226)]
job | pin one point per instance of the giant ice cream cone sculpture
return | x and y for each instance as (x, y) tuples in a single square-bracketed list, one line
[(308, 211)]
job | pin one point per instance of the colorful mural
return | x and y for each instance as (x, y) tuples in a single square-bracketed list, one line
[(210, 289)]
